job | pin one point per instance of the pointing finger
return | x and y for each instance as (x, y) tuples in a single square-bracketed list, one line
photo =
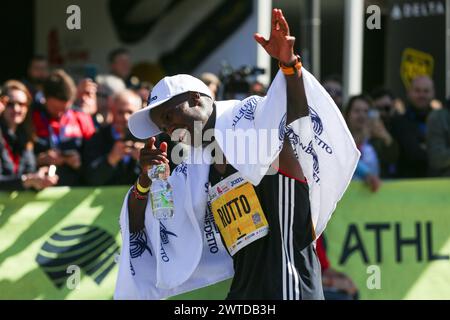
[(150, 144), (283, 23), (163, 147)]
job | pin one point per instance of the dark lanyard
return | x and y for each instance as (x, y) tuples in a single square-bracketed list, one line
[(55, 140), (14, 157)]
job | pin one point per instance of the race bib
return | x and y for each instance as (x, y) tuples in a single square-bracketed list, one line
[(237, 212)]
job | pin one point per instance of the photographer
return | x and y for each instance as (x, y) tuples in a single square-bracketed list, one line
[(240, 83), (111, 155)]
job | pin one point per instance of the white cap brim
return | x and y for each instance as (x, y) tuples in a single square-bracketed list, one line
[(140, 123)]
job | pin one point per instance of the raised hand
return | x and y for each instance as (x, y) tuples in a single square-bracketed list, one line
[(280, 44), (150, 155)]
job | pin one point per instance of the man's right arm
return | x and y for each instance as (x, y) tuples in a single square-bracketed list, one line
[(137, 201), (137, 205)]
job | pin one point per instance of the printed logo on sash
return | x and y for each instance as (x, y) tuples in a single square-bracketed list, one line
[(237, 212)]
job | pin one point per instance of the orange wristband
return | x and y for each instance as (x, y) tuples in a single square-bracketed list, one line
[(289, 71)]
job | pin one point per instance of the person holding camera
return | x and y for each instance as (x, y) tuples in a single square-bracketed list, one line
[(111, 156), (61, 131)]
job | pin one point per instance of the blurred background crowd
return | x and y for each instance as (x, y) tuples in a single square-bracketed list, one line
[(81, 128)]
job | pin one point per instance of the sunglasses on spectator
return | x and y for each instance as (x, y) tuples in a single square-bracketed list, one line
[(12, 104)]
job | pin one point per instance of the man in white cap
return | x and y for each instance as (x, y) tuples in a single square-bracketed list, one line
[(265, 221)]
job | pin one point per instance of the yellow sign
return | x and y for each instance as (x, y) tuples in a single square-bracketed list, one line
[(237, 212), (415, 63)]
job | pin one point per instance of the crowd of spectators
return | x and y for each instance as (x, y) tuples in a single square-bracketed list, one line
[(397, 139), (55, 132), (47, 120), (58, 132)]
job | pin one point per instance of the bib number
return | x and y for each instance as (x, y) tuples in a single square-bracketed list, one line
[(237, 212)]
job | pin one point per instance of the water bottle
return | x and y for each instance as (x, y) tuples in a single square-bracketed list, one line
[(161, 192)]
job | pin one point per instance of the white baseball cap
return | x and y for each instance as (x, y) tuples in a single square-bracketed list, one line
[(140, 123)]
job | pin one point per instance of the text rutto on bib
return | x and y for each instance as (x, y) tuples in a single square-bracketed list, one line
[(237, 212)]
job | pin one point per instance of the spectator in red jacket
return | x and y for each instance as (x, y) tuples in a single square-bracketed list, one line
[(60, 130)]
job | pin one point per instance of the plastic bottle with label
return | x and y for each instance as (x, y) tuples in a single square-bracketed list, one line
[(161, 192)]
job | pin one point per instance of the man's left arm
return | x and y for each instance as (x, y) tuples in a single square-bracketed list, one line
[(296, 104), (281, 47)]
